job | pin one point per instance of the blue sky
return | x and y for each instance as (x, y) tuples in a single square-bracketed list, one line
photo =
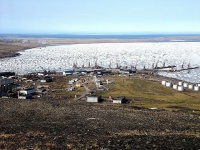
[(99, 16)]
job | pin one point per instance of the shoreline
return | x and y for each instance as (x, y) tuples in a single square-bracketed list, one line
[(10, 46), (31, 43)]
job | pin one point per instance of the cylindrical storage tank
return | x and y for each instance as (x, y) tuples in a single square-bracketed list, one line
[(190, 86), (185, 84), (168, 84), (175, 86), (196, 88), (180, 83), (180, 88), (163, 82)]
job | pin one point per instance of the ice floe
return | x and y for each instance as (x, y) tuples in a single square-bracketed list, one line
[(60, 58)]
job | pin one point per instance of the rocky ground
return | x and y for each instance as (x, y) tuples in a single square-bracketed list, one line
[(62, 124)]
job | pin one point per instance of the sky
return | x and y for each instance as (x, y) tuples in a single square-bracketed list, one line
[(99, 16)]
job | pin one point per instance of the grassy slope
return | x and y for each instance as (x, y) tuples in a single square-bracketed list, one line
[(152, 94)]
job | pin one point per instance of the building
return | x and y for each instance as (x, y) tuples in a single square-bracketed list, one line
[(81, 71), (119, 100), (71, 82), (7, 74), (27, 91), (94, 99), (71, 72), (24, 96), (47, 79), (100, 72), (99, 83), (68, 72), (6, 85), (127, 71), (78, 85)]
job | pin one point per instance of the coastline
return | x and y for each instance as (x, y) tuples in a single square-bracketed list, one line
[(10, 46), (182, 47)]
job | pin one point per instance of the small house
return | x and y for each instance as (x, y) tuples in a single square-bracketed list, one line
[(78, 85), (27, 91), (68, 72), (71, 89), (196, 88), (47, 79), (127, 71), (99, 83), (24, 96), (40, 74), (119, 100), (94, 99), (71, 82), (81, 71)]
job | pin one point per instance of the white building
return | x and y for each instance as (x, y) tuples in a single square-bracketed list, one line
[(27, 91), (119, 100), (94, 99)]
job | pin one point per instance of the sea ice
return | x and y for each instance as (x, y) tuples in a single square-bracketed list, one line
[(60, 58)]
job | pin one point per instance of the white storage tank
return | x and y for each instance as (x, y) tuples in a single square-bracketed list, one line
[(190, 86), (175, 86), (196, 88), (180, 88), (185, 84), (180, 83), (163, 82), (168, 84)]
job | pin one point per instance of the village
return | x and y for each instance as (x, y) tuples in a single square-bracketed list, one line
[(84, 83), (46, 109), (99, 75), (41, 84), (90, 106)]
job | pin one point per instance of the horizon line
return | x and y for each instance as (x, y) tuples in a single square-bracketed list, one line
[(95, 34)]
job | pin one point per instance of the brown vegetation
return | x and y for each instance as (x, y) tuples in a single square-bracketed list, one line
[(11, 49), (61, 124)]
